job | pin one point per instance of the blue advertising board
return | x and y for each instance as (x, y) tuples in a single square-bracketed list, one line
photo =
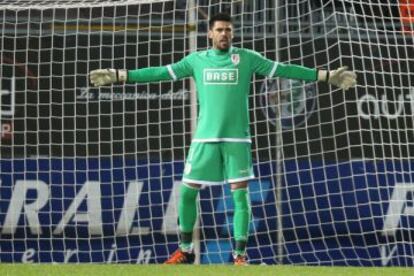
[(349, 213), (123, 210)]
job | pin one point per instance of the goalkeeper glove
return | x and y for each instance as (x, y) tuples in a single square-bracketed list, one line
[(101, 77), (340, 77)]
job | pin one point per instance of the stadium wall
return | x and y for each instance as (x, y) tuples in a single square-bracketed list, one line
[(50, 212)]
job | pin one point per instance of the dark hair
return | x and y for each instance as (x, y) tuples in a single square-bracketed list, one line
[(219, 17)]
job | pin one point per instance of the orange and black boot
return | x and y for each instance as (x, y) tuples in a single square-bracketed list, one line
[(181, 257)]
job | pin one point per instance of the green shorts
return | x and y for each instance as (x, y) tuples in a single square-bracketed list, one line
[(218, 163)]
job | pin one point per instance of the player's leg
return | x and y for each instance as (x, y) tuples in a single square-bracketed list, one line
[(239, 169), (203, 167), (187, 216), (241, 221)]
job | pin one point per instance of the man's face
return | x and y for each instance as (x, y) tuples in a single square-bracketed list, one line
[(221, 35)]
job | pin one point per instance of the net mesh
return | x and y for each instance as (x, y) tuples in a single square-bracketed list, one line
[(91, 174), (50, 4)]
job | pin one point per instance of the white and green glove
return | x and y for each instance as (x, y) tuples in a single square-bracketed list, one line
[(340, 77), (101, 77)]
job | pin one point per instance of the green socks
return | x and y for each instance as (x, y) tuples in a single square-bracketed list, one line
[(187, 214), (241, 220)]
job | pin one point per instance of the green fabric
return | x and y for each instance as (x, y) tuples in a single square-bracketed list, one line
[(187, 208), (215, 163), (149, 74), (186, 241), (240, 248), (242, 214), (223, 81), (296, 72)]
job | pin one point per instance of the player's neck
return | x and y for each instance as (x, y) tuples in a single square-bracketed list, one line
[(218, 51)]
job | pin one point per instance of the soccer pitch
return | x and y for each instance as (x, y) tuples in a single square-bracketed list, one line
[(125, 270)]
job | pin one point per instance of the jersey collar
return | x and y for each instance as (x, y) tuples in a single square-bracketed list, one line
[(217, 52)]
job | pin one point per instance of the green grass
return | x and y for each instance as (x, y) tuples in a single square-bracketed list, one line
[(196, 270)]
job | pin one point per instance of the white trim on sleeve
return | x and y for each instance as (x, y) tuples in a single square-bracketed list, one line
[(171, 72), (275, 65)]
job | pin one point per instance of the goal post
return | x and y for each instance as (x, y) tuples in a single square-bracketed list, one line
[(92, 174)]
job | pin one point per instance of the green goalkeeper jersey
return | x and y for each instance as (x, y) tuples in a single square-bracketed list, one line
[(223, 85)]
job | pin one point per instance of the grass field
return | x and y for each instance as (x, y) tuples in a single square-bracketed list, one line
[(198, 270)]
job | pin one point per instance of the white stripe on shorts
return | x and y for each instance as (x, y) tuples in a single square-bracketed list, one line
[(212, 140), (235, 180), (203, 182), (209, 183)]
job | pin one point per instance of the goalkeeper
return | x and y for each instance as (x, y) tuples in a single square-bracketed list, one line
[(220, 151)]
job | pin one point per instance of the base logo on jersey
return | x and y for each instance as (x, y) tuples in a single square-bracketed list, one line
[(235, 58), (222, 76), (295, 101)]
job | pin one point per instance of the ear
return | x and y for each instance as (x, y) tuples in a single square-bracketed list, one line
[(210, 34)]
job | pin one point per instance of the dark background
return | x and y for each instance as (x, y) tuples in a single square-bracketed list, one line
[(50, 53)]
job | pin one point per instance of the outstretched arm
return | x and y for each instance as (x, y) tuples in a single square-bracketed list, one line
[(101, 77), (174, 71), (340, 77)]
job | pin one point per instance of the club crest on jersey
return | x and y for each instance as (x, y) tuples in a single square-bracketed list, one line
[(235, 58)]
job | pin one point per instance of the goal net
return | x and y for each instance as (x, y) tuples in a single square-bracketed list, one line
[(91, 174)]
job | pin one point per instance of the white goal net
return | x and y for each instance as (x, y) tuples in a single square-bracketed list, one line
[(91, 174)]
